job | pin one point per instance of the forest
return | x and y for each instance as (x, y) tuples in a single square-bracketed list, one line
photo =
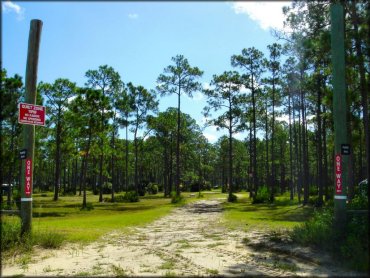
[(265, 188), (282, 102)]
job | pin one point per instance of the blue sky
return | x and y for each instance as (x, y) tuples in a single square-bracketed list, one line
[(138, 40)]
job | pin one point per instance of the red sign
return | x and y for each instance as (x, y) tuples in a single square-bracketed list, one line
[(28, 180), (31, 114), (338, 174)]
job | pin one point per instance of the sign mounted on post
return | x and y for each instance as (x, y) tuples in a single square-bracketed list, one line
[(338, 174), (28, 178), (31, 114), (345, 149), (23, 154)]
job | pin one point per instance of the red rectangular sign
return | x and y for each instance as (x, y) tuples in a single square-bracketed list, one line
[(31, 114), (338, 174), (28, 178)]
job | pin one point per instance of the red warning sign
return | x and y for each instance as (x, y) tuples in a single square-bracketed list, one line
[(28, 179), (31, 114), (338, 174)]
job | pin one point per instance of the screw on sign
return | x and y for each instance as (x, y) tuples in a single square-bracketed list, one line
[(338, 174), (28, 180)]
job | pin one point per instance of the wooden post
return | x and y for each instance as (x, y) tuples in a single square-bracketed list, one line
[(341, 159), (28, 131)]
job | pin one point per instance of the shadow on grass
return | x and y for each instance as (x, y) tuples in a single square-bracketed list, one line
[(280, 210), (48, 214), (127, 208)]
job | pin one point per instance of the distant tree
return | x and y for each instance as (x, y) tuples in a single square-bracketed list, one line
[(273, 83), (57, 97), (108, 81), (164, 127), (251, 62), (87, 122), (124, 103), (143, 102), (10, 92), (226, 96), (178, 79)]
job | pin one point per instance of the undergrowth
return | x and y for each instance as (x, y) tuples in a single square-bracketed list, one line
[(13, 242), (349, 247)]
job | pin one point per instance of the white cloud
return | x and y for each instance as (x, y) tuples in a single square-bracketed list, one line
[(9, 6), (133, 16), (212, 138), (198, 96), (266, 14)]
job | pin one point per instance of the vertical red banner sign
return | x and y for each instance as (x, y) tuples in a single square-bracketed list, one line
[(28, 179), (338, 174)]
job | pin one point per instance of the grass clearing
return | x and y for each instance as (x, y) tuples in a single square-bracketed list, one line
[(55, 222), (282, 214), (66, 218)]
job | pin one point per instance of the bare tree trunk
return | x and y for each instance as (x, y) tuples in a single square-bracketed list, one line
[(57, 159), (178, 147), (319, 144), (290, 149)]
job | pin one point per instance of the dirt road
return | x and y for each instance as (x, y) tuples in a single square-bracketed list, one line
[(191, 241)]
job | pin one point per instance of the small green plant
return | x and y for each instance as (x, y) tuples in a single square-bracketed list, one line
[(262, 195), (47, 269), (152, 188), (131, 196), (10, 234), (89, 206), (118, 271), (175, 199), (232, 198), (48, 239), (170, 274), (246, 241), (285, 266), (83, 274), (167, 265), (212, 271)]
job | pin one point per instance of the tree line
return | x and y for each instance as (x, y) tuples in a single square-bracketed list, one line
[(282, 101)]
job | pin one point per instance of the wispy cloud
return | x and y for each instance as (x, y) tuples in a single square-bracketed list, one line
[(266, 14), (133, 16), (9, 7)]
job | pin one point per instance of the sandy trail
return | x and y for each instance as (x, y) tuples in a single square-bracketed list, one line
[(191, 241)]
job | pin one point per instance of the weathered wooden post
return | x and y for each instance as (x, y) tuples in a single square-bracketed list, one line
[(342, 149), (28, 132)]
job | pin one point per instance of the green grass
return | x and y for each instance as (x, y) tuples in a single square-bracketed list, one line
[(64, 219), (282, 214)]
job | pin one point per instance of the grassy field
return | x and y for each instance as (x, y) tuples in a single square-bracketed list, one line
[(282, 214), (66, 217)]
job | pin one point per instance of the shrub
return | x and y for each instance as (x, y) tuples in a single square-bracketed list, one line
[(10, 234), (107, 188), (232, 198), (262, 195), (152, 188), (319, 231), (131, 196), (48, 239), (175, 199), (11, 238), (89, 206), (359, 202)]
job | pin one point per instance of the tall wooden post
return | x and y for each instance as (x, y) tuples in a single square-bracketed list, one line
[(28, 131), (341, 159)]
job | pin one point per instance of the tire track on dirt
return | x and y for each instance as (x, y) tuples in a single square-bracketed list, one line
[(190, 241)]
